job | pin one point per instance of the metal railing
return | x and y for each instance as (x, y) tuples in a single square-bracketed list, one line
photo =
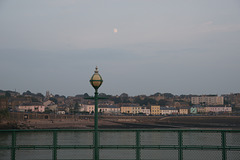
[(139, 144)]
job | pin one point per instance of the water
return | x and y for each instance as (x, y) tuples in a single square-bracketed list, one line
[(120, 138)]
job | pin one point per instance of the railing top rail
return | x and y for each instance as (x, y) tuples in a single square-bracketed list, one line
[(123, 130)]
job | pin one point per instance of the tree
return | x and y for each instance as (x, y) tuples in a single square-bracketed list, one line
[(85, 95), (27, 93), (162, 102), (40, 95), (76, 107), (34, 99), (102, 95), (4, 113), (7, 94), (116, 99), (47, 110), (168, 95), (145, 101), (124, 95), (125, 100), (152, 101), (53, 99)]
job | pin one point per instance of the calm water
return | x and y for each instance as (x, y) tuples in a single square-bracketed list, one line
[(120, 138)]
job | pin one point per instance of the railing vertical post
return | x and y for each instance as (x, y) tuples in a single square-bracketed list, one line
[(138, 156), (223, 137), (54, 145), (180, 142), (13, 151)]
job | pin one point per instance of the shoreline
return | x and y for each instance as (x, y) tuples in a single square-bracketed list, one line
[(222, 122)]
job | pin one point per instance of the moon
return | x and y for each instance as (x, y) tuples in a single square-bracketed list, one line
[(115, 30)]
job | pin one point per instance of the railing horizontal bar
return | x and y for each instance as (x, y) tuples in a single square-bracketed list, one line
[(51, 147), (165, 146), (125, 147), (76, 147), (117, 147), (48, 130), (120, 159), (120, 130), (79, 159), (165, 130), (168, 130), (122, 146), (5, 147)]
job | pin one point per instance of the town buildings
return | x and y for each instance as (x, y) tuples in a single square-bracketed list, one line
[(31, 107), (157, 104), (3, 103), (208, 100)]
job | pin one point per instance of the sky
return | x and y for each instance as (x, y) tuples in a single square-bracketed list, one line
[(139, 46)]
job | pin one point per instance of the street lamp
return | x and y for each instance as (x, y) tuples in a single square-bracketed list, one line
[(96, 81)]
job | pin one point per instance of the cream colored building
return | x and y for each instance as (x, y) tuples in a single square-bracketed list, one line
[(218, 109), (183, 111), (208, 100), (132, 109), (155, 110)]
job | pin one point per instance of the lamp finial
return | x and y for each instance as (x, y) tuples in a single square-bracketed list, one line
[(96, 71)]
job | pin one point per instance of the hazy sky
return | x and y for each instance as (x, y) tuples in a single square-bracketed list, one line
[(140, 46)]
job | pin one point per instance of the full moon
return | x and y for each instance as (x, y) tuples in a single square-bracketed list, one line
[(115, 30)]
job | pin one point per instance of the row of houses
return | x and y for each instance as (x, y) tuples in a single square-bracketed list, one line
[(197, 109), (129, 109), (156, 110)]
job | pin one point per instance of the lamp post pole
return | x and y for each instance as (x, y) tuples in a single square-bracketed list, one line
[(96, 81), (96, 151)]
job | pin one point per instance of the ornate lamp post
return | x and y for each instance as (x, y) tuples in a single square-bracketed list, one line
[(96, 81)]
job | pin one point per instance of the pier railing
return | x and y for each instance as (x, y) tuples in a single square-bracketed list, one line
[(140, 144)]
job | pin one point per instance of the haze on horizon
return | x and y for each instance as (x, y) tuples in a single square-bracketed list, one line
[(140, 46)]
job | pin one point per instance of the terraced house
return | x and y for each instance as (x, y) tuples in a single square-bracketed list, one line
[(168, 110), (155, 110), (131, 109), (31, 107)]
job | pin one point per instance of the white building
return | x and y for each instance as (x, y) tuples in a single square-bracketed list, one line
[(146, 111), (31, 107), (168, 110), (108, 109), (105, 109), (87, 108)]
